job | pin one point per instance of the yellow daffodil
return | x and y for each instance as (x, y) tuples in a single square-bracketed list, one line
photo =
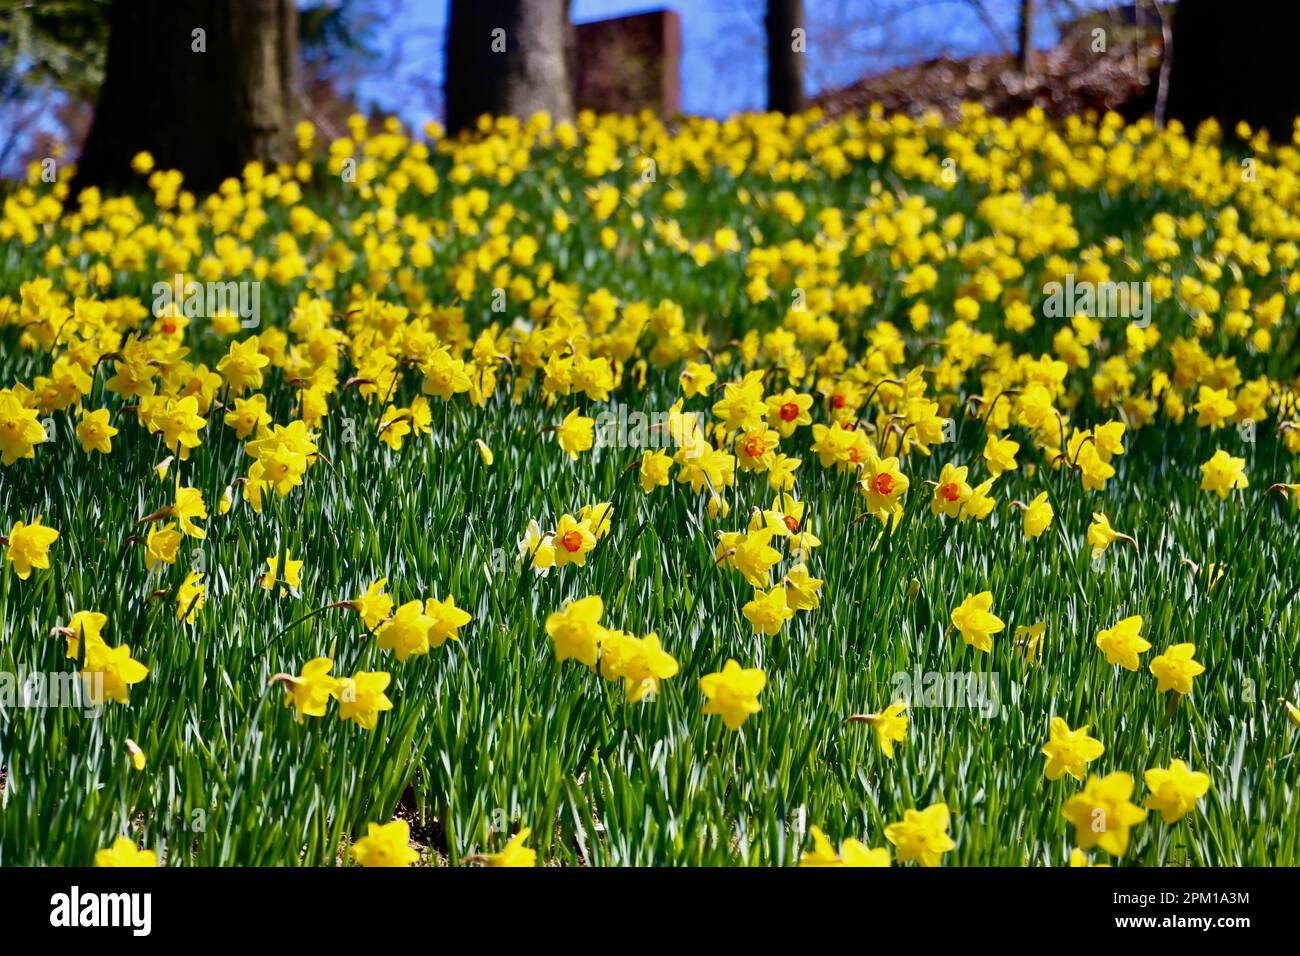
[(976, 621), (387, 844), (732, 693), (1070, 751), (922, 835), (1174, 791), (852, 852), (124, 852), (1175, 668), (1102, 814), (28, 547), (1122, 644)]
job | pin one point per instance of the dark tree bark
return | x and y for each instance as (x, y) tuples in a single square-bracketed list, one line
[(205, 113), (785, 55), (508, 58), (1236, 61), (1025, 44)]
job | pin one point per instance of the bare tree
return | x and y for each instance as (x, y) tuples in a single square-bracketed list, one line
[(991, 24), (786, 45), (205, 86), (1025, 46), (508, 57)]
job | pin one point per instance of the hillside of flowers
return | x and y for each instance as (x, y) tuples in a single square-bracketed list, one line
[(770, 491)]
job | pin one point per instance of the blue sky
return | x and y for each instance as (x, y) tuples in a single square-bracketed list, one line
[(723, 68)]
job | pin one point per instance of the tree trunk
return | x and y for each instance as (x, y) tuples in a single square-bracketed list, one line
[(205, 86), (1236, 62), (508, 58), (786, 45), (1025, 46)]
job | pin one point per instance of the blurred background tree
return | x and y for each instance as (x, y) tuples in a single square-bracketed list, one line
[(787, 43), (49, 48), (205, 86), (508, 58), (413, 57), (212, 110)]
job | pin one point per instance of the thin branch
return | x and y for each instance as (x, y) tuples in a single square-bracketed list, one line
[(998, 33)]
